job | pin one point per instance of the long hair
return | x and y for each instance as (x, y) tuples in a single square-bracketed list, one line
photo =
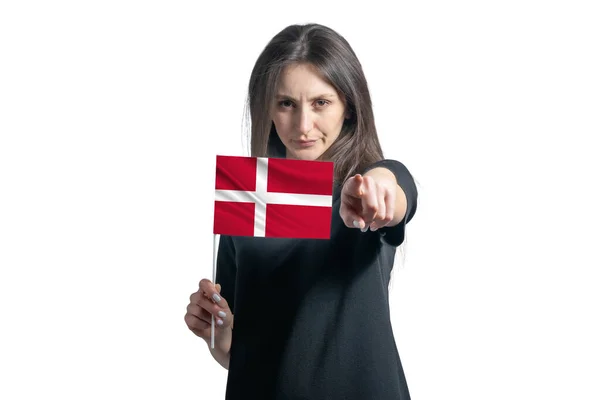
[(358, 145)]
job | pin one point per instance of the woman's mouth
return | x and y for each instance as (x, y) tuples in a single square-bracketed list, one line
[(305, 143)]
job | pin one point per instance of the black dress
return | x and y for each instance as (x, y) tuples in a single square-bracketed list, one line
[(312, 316)]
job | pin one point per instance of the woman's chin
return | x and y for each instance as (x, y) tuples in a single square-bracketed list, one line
[(304, 154)]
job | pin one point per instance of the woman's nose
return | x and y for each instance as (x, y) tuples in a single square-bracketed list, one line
[(306, 122)]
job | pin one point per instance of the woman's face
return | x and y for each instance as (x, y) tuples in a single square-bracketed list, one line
[(307, 112)]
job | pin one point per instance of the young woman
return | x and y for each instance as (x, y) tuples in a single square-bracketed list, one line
[(312, 316)]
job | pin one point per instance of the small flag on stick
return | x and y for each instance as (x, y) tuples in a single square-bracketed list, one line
[(271, 197)]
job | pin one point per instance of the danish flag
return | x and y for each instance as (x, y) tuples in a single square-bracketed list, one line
[(273, 197)]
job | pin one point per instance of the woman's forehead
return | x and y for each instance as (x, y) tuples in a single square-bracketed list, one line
[(303, 79)]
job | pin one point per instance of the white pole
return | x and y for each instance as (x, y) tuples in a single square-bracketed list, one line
[(214, 279)]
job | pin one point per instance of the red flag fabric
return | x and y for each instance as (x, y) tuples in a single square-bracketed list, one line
[(273, 197)]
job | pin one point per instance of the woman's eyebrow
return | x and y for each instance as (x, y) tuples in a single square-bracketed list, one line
[(324, 95)]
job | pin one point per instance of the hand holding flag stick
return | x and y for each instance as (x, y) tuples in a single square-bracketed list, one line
[(214, 279), (271, 197)]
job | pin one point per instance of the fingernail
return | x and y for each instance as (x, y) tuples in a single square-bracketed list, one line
[(366, 228), (216, 297), (219, 322), (222, 314), (356, 224)]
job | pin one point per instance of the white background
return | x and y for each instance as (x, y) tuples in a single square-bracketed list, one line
[(111, 114)]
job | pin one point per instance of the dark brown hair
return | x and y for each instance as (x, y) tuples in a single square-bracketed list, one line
[(357, 146)]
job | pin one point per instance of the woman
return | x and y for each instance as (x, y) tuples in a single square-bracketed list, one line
[(312, 316)]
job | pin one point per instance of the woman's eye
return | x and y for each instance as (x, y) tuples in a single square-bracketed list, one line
[(285, 103), (322, 103)]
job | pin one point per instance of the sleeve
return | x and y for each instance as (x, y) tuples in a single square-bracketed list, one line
[(226, 270), (395, 235)]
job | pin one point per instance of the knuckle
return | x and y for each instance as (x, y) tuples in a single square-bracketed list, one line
[(195, 324), (199, 300), (194, 309), (201, 303)]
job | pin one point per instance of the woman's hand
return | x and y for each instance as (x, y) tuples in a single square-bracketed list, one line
[(205, 303), (368, 203)]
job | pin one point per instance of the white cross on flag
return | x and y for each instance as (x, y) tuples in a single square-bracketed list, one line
[(273, 197)]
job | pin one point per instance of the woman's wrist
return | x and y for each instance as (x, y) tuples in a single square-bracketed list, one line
[(222, 346)]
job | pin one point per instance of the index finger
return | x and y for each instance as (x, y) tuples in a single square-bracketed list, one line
[(354, 186), (370, 202)]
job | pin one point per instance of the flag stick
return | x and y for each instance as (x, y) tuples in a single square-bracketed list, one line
[(214, 279)]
